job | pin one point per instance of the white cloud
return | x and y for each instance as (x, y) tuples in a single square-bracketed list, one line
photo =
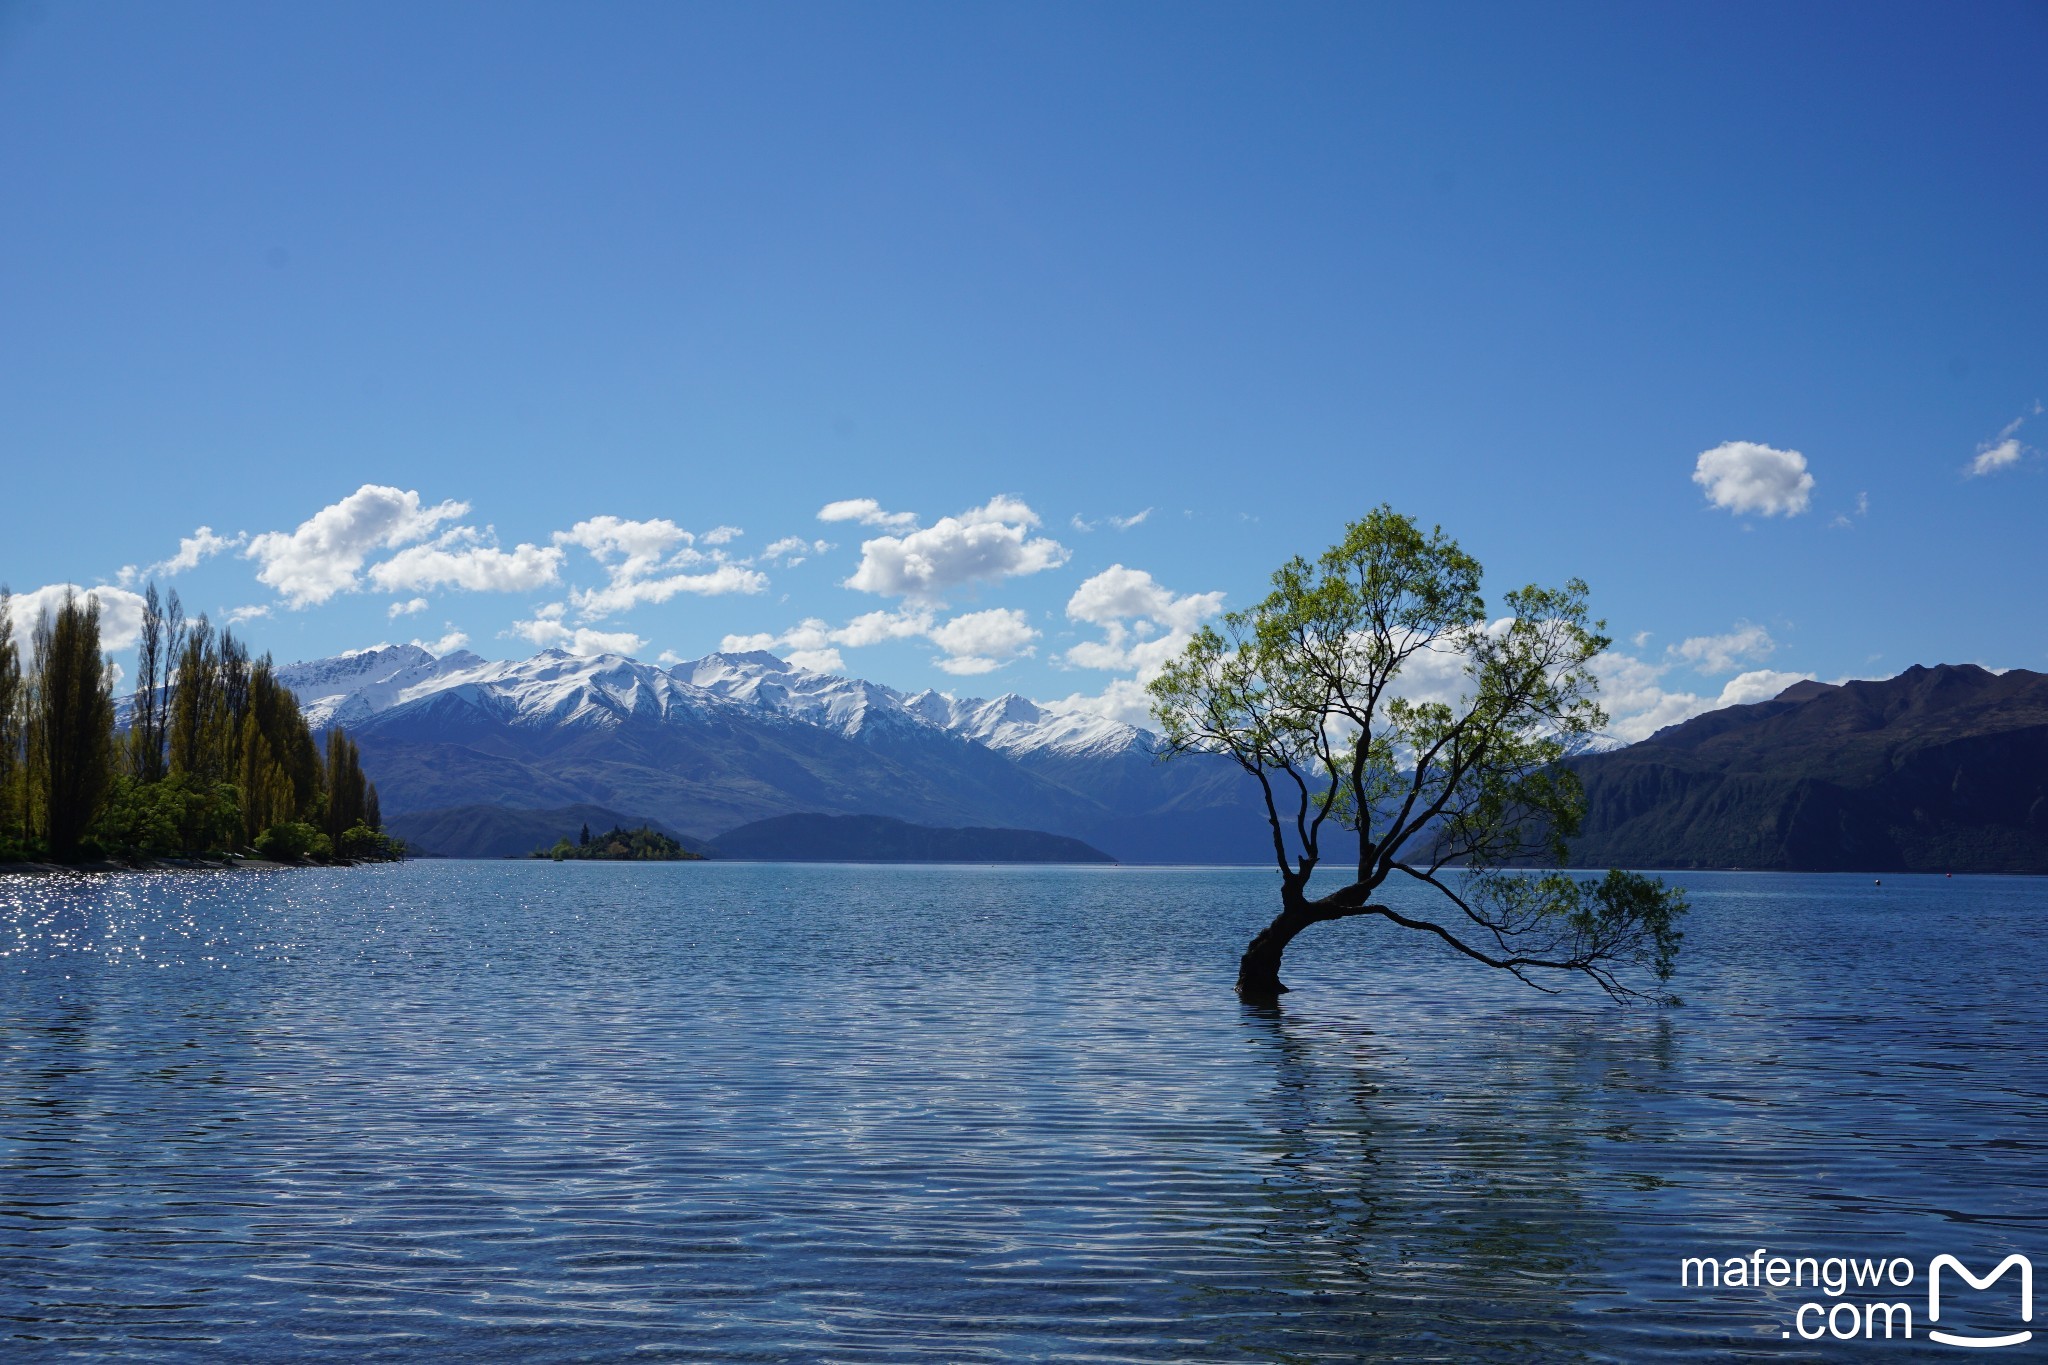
[(2004, 450), (1638, 705), (253, 612), (322, 557), (794, 550), (1143, 623), (812, 643), (876, 627), (1745, 477), (1759, 685), (477, 568), (983, 641), (412, 608), (594, 604), (722, 535), (985, 543), (1124, 700), (1993, 458), (120, 614), (627, 549), (447, 644), (546, 630), (1842, 520), (634, 552), (867, 512), (816, 660), (1080, 523), (1726, 653), (974, 642), (201, 544)]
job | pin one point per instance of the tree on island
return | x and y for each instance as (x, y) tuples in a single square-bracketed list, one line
[(644, 844), (1330, 692)]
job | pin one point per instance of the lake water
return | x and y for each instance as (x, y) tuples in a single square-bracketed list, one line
[(741, 1112)]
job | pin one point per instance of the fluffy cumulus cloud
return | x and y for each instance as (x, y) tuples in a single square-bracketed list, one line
[(1124, 700), (807, 645), (411, 608), (1751, 479), (1143, 623), (547, 630), (622, 594), (1638, 704), (120, 613), (879, 627), (866, 512), (983, 641), (974, 642), (447, 644), (984, 544), (455, 561), (653, 561), (1726, 653), (627, 549), (324, 554)]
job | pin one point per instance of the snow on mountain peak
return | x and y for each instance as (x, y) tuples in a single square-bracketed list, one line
[(556, 687)]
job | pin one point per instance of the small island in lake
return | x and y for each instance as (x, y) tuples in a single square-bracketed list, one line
[(643, 845)]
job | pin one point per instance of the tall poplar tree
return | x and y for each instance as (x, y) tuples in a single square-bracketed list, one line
[(13, 801), (75, 719), (196, 707), (152, 678), (345, 786)]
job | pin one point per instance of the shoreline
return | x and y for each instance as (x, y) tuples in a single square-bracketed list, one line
[(46, 869)]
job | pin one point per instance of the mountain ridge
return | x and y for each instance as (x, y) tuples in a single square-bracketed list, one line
[(1941, 768), (706, 745)]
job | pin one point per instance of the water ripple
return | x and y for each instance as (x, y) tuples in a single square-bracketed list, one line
[(736, 1113)]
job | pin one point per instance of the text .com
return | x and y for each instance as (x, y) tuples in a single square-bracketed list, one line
[(1866, 1298)]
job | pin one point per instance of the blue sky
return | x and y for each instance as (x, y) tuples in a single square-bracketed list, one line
[(1234, 274)]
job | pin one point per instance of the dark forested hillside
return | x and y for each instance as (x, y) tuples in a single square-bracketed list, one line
[(879, 839), (1939, 769)]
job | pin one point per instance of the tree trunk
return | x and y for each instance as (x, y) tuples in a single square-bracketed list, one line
[(1258, 971)]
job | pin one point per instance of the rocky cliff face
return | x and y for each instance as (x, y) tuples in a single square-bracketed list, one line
[(1939, 769)]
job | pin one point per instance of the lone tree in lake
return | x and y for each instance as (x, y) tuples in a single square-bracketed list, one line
[(1331, 692)]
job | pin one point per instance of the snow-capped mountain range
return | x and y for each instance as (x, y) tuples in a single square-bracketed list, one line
[(708, 744), (559, 688)]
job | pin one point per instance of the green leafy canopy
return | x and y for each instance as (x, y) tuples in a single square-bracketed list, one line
[(1391, 723)]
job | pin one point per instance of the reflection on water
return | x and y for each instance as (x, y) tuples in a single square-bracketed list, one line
[(735, 1112)]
